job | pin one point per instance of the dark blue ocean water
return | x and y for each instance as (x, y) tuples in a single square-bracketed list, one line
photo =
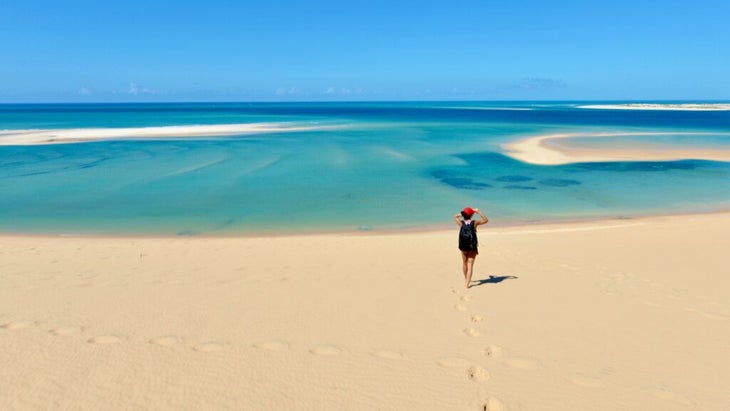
[(370, 166)]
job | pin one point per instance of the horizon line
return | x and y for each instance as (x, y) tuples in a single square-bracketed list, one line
[(365, 101)]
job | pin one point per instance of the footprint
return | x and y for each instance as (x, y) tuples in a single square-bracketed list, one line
[(65, 330), (470, 332), (16, 325), (476, 318), (465, 298), (104, 340), (387, 354), (273, 345), (208, 347), (493, 351), (585, 381), (521, 363), (493, 404), (460, 307), (477, 374), (327, 350), (166, 341), (452, 362)]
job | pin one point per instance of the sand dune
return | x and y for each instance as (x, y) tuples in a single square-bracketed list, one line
[(616, 315)]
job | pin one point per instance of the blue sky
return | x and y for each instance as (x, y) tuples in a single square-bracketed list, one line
[(275, 50)]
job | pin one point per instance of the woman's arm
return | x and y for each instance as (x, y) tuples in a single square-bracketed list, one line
[(484, 219), (457, 218)]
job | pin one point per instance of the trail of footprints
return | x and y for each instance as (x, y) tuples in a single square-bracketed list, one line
[(480, 375), (471, 371), (474, 372), (174, 342), (477, 373)]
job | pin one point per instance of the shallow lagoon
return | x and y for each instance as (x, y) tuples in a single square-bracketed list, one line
[(385, 166)]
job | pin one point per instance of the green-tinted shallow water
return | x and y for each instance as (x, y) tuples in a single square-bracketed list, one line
[(382, 166)]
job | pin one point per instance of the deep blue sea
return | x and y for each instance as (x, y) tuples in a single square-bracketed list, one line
[(359, 166)]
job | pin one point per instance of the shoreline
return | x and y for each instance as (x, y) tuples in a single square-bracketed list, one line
[(567, 224), (547, 150)]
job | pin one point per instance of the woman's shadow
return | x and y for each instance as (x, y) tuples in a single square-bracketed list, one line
[(493, 279)]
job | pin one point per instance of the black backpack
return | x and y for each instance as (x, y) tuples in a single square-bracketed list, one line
[(467, 237)]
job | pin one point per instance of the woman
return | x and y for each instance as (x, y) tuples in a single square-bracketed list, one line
[(468, 239)]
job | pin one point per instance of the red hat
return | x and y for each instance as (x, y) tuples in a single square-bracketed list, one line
[(468, 211)]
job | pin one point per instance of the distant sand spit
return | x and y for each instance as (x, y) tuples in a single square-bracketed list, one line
[(554, 149), (609, 315), (76, 135), (646, 106)]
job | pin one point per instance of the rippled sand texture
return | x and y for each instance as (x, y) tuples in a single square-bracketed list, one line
[(615, 315)]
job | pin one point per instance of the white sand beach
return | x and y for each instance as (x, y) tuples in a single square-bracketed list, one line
[(553, 149), (608, 315), (76, 135), (665, 106)]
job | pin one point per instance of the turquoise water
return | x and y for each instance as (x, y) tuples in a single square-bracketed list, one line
[(382, 166)]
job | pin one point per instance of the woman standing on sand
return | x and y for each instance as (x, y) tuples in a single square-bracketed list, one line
[(468, 239)]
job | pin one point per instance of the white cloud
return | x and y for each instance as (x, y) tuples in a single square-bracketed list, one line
[(134, 89), (284, 91), (335, 90), (84, 91)]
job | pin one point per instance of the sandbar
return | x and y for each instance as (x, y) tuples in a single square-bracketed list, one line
[(555, 149), (77, 135), (607, 315), (665, 106)]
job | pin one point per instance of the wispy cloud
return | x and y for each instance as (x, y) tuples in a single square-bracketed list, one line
[(134, 90), (84, 91), (335, 90), (286, 91)]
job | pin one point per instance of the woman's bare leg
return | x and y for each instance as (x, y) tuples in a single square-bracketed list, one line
[(469, 269), (464, 265)]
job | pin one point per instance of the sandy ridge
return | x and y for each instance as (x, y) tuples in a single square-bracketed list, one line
[(554, 149)]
